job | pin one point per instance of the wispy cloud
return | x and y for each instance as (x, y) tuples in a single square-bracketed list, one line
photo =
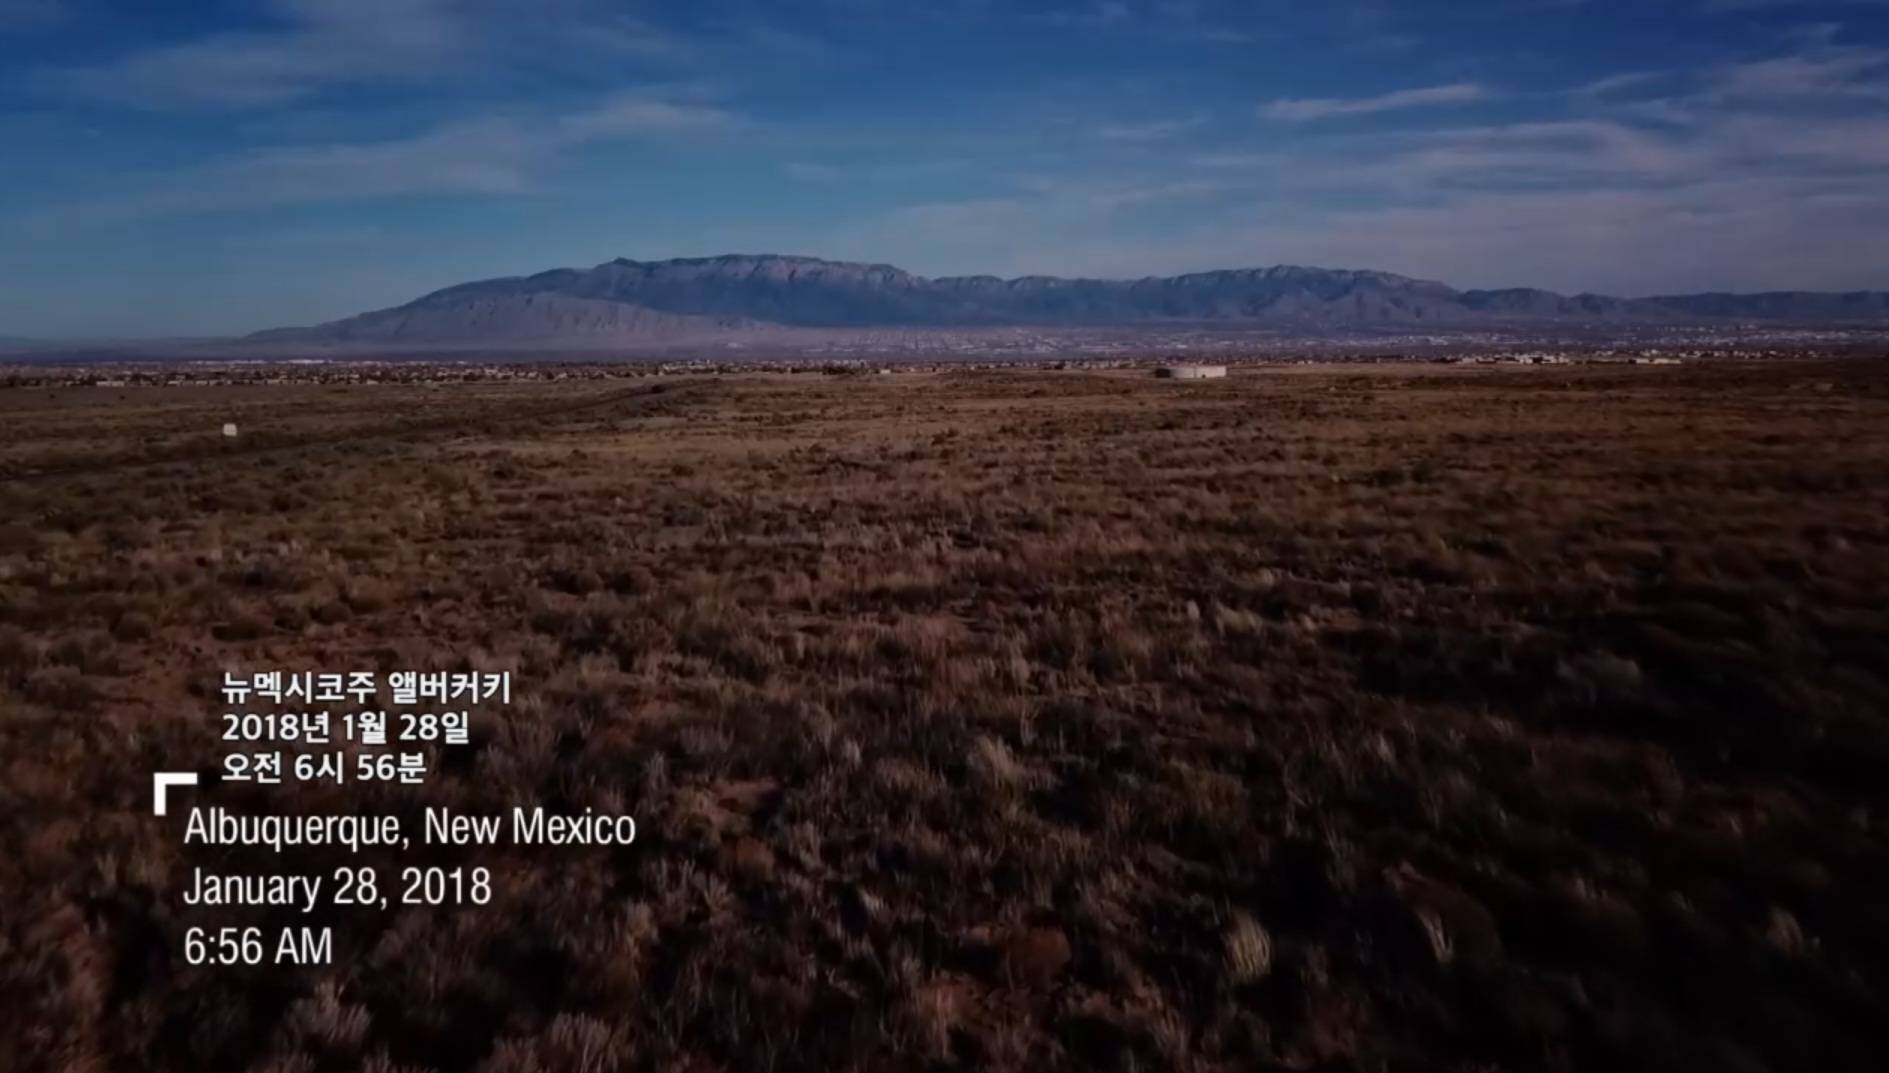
[(1822, 71), (1193, 22), (306, 48), (1149, 131), (306, 238), (495, 156), (635, 114), (1098, 13), (315, 44), (1609, 85), (1145, 195), (492, 156), (1313, 108), (1220, 35), (1749, 189), (1757, 5)]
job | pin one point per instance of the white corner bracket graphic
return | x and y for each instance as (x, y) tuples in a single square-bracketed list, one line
[(164, 780)]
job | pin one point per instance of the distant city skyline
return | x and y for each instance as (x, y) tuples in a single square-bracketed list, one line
[(212, 168)]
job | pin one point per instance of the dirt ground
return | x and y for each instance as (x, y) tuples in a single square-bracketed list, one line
[(1369, 718)]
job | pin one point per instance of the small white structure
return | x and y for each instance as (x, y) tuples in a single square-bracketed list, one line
[(229, 430), (1191, 372)]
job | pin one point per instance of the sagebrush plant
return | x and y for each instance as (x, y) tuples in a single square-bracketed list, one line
[(1342, 717)]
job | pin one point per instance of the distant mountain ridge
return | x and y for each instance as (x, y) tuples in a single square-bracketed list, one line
[(713, 295), (505, 318)]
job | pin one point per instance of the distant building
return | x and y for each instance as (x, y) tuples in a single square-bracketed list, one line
[(1191, 372)]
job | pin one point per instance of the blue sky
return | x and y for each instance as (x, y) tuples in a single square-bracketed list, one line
[(205, 167)]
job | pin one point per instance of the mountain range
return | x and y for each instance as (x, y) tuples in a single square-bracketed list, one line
[(714, 296)]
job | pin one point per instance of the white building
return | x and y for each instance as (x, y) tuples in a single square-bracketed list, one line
[(1191, 372)]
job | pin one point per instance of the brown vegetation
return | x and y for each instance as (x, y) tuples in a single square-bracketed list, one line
[(1379, 719)]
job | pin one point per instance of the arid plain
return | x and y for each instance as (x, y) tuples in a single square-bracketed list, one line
[(1392, 717)]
